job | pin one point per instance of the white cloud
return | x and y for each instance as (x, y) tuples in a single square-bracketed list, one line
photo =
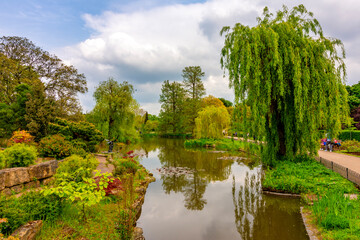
[(147, 46)]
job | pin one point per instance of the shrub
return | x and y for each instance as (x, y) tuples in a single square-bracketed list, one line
[(20, 155), (75, 168), (83, 133), (32, 206), (351, 146), (21, 137), (2, 160), (349, 135), (55, 146)]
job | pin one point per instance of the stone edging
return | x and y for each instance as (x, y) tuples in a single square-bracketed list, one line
[(281, 194), (16, 179), (311, 231)]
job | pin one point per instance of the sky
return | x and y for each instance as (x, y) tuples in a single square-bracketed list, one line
[(146, 42)]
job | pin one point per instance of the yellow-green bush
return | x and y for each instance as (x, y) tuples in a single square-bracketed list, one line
[(83, 167), (20, 155)]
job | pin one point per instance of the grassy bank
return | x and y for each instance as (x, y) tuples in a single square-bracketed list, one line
[(335, 214), (224, 145)]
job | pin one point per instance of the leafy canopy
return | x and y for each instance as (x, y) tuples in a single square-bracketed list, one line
[(290, 76)]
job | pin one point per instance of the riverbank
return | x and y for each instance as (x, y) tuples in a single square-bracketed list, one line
[(224, 145), (324, 192), (76, 213)]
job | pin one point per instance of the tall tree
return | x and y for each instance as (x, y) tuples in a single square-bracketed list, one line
[(62, 82), (195, 90), (172, 103), (40, 111), (290, 75), (192, 81), (113, 113)]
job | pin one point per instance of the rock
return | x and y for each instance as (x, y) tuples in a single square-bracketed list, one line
[(138, 234), (28, 231), (140, 190), (2, 179), (16, 176), (6, 191), (33, 184), (43, 170), (47, 181), (17, 188)]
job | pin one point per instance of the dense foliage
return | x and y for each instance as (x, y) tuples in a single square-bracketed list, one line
[(20, 155), (290, 75), (75, 168), (172, 107), (28, 207), (61, 82), (82, 133), (114, 112), (55, 146), (211, 122)]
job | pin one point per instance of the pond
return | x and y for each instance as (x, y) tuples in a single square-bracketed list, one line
[(212, 195)]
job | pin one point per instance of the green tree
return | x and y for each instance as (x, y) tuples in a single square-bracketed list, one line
[(172, 103), (354, 96), (227, 103), (211, 122), (61, 82), (113, 113), (40, 111), (195, 90), (290, 75)]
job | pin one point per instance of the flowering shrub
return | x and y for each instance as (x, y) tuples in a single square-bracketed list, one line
[(21, 137), (351, 146), (20, 155), (55, 146)]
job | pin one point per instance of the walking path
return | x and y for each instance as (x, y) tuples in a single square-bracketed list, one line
[(350, 162)]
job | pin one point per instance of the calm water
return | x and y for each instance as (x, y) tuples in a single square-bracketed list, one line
[(212, 198)]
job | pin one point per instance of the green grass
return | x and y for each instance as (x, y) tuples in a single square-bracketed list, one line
[(307, 176), (336, 216), (224, 144)]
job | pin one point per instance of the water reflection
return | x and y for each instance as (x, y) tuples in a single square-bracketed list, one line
[(218, 198), (259, 216), (206, 168)]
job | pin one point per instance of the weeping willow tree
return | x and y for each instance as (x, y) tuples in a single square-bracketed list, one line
[(292, 78), (211, 122)]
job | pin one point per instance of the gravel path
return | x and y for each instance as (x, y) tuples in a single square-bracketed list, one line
[(103, 166), (347, 161)]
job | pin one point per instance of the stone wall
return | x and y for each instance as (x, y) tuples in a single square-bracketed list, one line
[(14, 180)]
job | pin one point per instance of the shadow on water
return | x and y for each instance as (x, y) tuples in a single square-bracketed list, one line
[(211, 195)]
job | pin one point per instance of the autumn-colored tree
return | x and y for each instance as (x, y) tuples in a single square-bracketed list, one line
[(290, 75), (211, 122), (211, 101)]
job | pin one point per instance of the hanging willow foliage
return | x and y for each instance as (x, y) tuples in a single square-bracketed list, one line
[(291, 77), (211, 122)]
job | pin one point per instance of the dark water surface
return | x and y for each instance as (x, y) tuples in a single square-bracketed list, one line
[(212, 198)]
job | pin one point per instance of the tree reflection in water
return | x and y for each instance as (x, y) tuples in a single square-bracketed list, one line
[(259, 216), (206, 167)]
